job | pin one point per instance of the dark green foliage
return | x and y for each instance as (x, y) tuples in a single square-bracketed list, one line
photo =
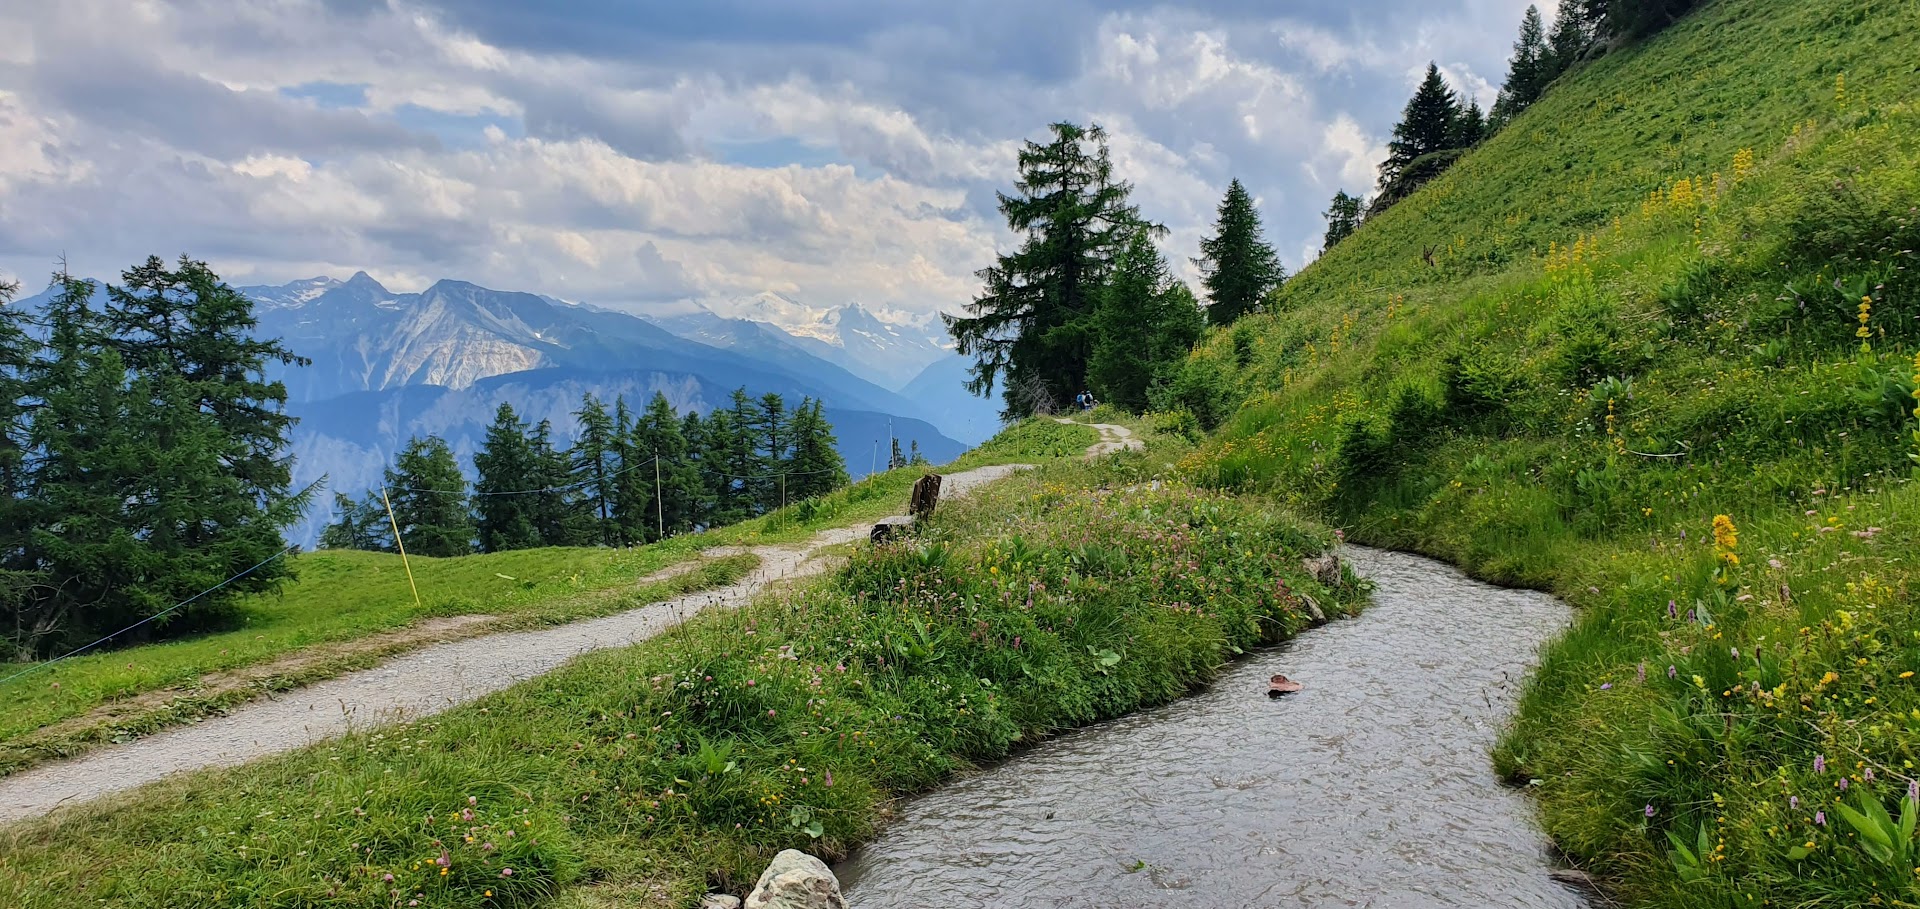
[(560, 514), (1029, 329), (1526, 70), (1237, 266), (1145, 325), (1571, 38), (770, 431), (815, 466), (1468, 128), (429, 499), (1425, 127), (595, 463), (504, 467), (1343, 218), (1628, 19), (361, 525), (143, 459), (659, 436)]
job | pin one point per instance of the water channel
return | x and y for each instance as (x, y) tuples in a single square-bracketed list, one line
[(1370, 788)]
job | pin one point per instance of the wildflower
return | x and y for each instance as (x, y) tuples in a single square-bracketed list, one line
[(1649, 809), (1819, 763), (1820, 817), (1726, 538), (1866, 776), (1793, 802), (1606, 686), (1843, 784), (1913, 791), (506, 872), (1671, 672), (1640, 675), (1673, 611)]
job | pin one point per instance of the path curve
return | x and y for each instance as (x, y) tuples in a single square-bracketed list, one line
[(1113, 437), (419, 683)]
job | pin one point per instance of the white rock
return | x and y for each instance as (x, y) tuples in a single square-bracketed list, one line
[(719, 901), (796, 880)]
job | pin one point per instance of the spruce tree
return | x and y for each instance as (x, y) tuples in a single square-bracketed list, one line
[(895, 459), (1427, 126), (1569, 40), (1526, 70), (1343, 218), (1028, 330), (429, 498), (17, 572), (700, 457), (633, 511), (595, 463), (1469, 128), (733, 436), (560, 515), (657, 435), (770, 427), (1237, 266), (1147, 324), (816, 465), (504, 469)]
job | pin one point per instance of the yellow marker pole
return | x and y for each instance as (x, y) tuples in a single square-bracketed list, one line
[(400, 546)]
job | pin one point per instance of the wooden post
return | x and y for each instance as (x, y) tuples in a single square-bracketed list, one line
[(400, 546)]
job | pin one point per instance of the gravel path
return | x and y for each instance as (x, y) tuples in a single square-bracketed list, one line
[(419, 683), (1112, 438)]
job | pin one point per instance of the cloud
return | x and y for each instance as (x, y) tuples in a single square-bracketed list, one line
[(838, 150)]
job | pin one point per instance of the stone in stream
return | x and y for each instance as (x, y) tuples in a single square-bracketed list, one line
[(1324, 568), (796, 880)]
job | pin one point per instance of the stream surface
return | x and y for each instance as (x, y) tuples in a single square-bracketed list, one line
[(1370, 788)]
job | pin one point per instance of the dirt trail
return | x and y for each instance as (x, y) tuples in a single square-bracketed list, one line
[(1112, 438), (419, 683)]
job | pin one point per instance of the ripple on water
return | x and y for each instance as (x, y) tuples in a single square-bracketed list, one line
[(1371, 788)]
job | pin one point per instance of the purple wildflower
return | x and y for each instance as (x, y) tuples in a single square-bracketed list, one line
[(1606, 686), (1820, 817), (1843, 784), (1793, 802), (1736, 652), (1671, 673), (1819, 763), (1649, 809), (1640, 675), (1673, 609), (1866, 776), (1913, 791)]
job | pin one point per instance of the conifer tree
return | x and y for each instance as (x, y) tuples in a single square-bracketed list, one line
[(1526, 70), (595, 462), (658, 435), (770, 429), (914, 456), (1147, 324), (1569, 40), (1343, 218), (17, 349), (360, 525), (816, 466), (1237, 266), (505, 469), (1426, 127), (734, 440), (633, 511), (1028, 330), (1469, 128), (429, 499), (700, 456), (559, 515)]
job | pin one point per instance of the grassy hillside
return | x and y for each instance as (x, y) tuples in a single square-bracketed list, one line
[(641, 776), (1682, 286)]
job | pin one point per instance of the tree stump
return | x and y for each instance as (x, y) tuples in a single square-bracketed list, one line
[(926, 495), (890, 529)]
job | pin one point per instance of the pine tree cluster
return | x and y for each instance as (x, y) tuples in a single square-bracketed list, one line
[(142, 459), (628, 478), (1087, 304)]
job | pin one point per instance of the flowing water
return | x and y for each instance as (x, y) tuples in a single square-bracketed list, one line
[(1370, 788)]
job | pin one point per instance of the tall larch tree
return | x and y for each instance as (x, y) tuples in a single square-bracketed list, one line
[(1029, 330), (1237, 266), (504, 470), (429, 498)]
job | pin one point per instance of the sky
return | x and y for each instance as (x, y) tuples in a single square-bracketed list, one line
[(647, 155)]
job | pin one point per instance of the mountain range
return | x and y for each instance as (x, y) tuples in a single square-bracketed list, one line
[(386, 366)]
